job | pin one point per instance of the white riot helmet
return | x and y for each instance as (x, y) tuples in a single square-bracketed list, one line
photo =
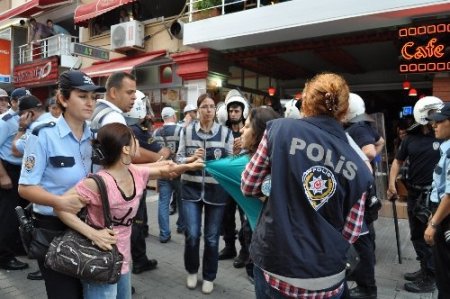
[(356, 106), (234, 96), (139, 110), (424, 107), (221, 113), (291, 111)]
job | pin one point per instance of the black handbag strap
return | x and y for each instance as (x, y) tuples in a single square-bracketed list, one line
[(104, 197)]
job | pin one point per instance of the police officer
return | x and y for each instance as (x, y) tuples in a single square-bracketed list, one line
[(437, 233), (54, 161), (4, 101), (168, 136), (9, 177), (371, 143), (421, 148), (318, 190)]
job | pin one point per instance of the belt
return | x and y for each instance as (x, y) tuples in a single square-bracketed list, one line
[(422, 188)]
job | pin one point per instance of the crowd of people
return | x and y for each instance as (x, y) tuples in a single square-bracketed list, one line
[(310, 173)]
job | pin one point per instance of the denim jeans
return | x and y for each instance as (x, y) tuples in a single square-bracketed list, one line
[(193, 220), (166, 189), (119, 290), (264, 291)]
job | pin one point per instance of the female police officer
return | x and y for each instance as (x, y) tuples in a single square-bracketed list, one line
[(54, 162)]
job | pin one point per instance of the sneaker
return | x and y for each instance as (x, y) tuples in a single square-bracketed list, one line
[(413, 276), (191, 281), (207, 287), (425, 284)]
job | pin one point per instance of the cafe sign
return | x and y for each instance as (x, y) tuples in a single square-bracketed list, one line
[(422, 48), (91, 52), (42, 72)]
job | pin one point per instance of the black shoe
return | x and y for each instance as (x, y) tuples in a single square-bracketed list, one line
[(424, 285), (133, 290), (363, 293), (172, 210), (413, 276), (227, 253), (14, 264), (165, 240), (180, 230), (147, 266), (240, 260), (37, 275)]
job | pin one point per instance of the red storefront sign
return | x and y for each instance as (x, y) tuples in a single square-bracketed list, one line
[(43, 72), (5, 61), (423, 48)]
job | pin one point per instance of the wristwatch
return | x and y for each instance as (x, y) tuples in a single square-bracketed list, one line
[(22, 129), (433, 225)]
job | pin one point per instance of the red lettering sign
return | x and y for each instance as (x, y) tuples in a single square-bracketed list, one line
[(43, 72)]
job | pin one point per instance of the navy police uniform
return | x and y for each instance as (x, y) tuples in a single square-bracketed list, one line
[(316, 179), (55, 161)]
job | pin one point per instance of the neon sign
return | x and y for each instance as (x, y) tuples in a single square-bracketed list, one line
[(422, 48)]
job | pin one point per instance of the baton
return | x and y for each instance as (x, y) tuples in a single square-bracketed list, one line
[(397, 236)]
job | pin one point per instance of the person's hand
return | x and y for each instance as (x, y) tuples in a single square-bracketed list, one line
[(196, 165), (237, 145), (170, 171), (70, 202), (199, 153), (104, 238), (25, 119), (429, 235), (392, 193), (5, 182)]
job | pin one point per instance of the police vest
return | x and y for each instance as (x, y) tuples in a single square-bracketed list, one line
[(100, 111), (316, 178), (168, 136), (200, 185)]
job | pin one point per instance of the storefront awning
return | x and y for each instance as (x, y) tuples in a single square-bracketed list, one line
[(30, 8), (85, 12), (126, 64)]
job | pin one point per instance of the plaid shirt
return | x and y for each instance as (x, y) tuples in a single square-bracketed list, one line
[(252, 179)]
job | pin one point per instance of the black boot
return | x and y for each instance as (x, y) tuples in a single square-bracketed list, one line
[(425, 284), (241, 259), (228, 252), (413, 276), (363, 293)]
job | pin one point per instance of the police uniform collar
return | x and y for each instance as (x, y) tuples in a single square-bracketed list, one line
[(328, 124), (445, 146), (110, 104), (214, 129), (64, 129)]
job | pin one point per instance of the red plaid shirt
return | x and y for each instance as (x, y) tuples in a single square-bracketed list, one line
[(252, 179)]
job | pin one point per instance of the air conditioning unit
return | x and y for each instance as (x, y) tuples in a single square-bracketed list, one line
[(128, 35)]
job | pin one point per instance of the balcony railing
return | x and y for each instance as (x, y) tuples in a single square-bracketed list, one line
[(55, 45)]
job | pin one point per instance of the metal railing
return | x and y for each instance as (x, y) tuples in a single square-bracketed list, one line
[(54, 45), (194, 4)]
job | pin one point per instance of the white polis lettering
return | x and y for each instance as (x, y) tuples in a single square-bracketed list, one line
[(316, 153)]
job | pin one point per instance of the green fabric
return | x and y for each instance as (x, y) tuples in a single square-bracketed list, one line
[(227, 172)]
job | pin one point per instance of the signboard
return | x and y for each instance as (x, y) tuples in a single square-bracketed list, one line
[(5, 61), (91, 52), (42, 72), (422, 48)]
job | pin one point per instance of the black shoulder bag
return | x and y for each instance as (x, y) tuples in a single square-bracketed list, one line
[(75, 255)]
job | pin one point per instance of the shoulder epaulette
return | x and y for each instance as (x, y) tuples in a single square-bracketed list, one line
[(46, 125), (7, 117)]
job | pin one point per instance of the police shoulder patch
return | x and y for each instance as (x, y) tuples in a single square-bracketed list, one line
[(319, 184), (29, 162)]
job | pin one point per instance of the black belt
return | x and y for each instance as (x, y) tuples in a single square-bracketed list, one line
[(48, 222), (421, 188)]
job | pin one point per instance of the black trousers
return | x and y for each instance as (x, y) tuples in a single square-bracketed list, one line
[(229, 223), (441, 254), (57, 285), (417, 228), (138, 246), (9, 199), (364, 274)]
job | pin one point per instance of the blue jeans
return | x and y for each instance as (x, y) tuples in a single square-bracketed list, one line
[(119, 290), (263, 290), (166, 189), (193, 220)]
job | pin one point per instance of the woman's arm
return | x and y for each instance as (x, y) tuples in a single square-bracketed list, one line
[(169, 169), (69, 201)]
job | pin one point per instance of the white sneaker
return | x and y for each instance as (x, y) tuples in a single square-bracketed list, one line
[(191, 281), (208, 287)]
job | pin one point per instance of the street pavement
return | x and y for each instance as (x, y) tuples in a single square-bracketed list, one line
[(168, 280)]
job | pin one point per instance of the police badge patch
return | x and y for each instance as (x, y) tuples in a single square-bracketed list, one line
[(217, 153), (319, 184), (29, 162)]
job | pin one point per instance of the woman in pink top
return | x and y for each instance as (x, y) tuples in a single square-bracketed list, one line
[(125, 184)]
